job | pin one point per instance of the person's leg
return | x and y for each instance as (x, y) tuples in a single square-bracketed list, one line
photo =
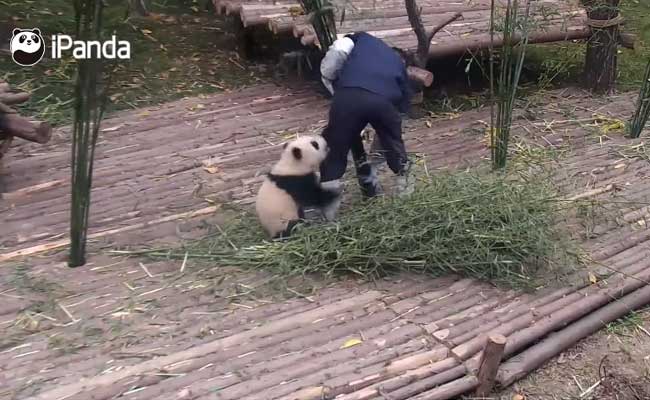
[(344, 125), (366, 172), (388, 125)]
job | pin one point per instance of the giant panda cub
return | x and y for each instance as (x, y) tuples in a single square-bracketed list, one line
[(292, 185)]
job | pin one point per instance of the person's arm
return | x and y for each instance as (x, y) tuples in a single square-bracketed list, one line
[(334, 60)]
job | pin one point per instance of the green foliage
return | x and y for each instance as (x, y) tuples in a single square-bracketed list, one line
[(642, 112), (179, 51), (321, 16), (511, 56), (477, 225)]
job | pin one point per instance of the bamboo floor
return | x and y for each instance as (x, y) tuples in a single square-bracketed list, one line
[(164, 330), (552, 21)]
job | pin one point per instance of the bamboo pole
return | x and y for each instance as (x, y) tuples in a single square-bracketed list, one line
[(450, 390), (574, 305), (89, 110), (424, 384), (535, 356), (489, 365), (564, 316)]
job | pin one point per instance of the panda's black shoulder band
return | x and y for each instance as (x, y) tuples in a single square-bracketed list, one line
[(305, 190)]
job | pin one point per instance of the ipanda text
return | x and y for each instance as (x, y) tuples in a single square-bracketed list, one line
[(109, 49)]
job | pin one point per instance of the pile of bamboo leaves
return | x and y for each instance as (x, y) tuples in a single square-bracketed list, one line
[(514, 29), (88, 112), (479, 226), (642, 112)]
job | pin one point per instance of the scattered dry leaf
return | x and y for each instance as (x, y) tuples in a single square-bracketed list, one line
[(351, 342), (112, 128)]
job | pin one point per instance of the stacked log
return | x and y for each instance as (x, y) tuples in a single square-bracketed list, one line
[(13, 125), (558, 20)]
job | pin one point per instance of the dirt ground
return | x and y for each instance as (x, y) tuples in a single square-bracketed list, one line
[(613, 364)]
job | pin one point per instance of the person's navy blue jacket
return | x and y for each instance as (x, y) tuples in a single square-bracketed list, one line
[(376, 67)]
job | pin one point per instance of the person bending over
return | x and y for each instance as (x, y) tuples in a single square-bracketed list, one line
[(370, 85)]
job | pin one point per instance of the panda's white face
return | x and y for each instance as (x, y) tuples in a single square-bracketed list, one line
[(302, 156), (29, 42)]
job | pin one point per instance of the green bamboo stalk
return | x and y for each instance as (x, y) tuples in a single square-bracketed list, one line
[(511, 65), (89, 109), (321, 16), (642, 112)]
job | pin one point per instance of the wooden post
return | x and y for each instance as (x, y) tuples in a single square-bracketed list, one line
[(489, 366), (600, 62)]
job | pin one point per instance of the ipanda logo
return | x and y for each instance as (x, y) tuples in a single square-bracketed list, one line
[(28, 47)]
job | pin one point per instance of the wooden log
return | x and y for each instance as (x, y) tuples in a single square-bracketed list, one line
[(459, 333), (439, 373), (482, 41), (535, 356), (562, 317), (450, 390), (580, 303), (489, 366), (627, 40), (422, 385), (14, 98), (15, 125), (602, 47), (420, 75)]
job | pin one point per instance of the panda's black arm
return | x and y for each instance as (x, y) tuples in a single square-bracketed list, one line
[(305, 190)]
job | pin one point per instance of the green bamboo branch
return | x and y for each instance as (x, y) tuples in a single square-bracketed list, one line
[(642, 112), (89, 108)]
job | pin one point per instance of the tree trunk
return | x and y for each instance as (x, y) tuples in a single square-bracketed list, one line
[(421, 56), (600, 62)]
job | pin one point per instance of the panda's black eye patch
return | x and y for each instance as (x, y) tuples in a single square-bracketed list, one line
[(22, 38), (297, 153), (315, 144), (35, 38)]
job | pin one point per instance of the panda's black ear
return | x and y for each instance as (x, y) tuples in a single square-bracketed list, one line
[(297, 153), (16, 31), (284, 146), (37, 31)]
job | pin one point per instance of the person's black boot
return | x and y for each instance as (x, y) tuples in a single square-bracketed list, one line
[(368, 182)]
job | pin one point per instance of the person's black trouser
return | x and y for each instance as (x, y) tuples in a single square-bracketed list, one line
[(351, 110)]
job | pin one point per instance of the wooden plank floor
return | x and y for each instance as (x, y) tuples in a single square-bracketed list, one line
[(154, 330)]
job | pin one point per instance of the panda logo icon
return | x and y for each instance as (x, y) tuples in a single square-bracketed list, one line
[(27, 46)]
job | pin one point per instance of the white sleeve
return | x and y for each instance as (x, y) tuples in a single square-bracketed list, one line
[(334, 60)]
